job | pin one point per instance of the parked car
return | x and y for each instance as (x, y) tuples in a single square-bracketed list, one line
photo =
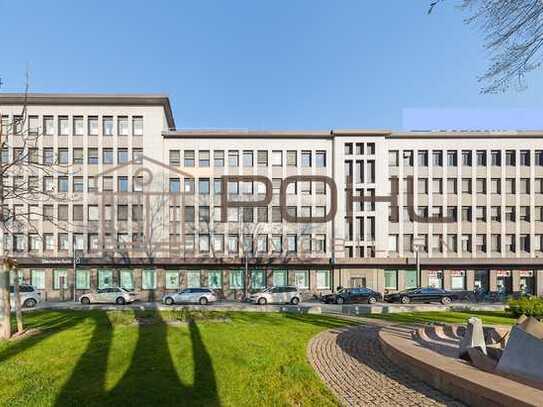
[(428, 294), (202, 296), (112, 295), (277, 295), (353, 296), (29, 295)]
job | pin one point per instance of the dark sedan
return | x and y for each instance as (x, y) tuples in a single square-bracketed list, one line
[(421, 295), (353, 296)]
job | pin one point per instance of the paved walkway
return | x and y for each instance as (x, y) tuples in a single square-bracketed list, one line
[(352, 364)]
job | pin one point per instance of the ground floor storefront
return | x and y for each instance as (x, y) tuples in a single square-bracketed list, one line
[(62, 281)]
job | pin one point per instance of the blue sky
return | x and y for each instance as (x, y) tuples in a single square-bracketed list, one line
[(281, 64)]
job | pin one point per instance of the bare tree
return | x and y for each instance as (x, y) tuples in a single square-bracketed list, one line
[(513, 34), (22, 189)]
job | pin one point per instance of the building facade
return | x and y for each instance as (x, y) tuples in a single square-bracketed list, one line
[(154, 209)]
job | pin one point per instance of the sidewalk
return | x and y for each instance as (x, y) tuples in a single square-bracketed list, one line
[(309, 307)]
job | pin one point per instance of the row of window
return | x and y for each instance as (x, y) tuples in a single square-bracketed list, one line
[(435, 279), (62, 156), (358, 148), (172, 279), (479, 245), (125, 212), (203, 243), (232, 158), (469, 158), (75, 125), (465, 213), (482, 185)]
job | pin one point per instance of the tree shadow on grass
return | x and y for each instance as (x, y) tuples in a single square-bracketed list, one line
[(151, 378), (322, 321), (45, 327)]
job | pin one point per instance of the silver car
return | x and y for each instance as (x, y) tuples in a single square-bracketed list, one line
[(277, 295), (202, 296), (113, 295), (29, 296)]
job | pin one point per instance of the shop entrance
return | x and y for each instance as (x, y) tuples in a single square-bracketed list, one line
[(481, 282), (527, 282), (504, 282), (358, 282)]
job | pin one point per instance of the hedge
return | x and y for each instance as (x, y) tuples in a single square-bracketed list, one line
[(529, 306)]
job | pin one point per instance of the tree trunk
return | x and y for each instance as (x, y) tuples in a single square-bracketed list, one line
[(18, 308), (5, 307)]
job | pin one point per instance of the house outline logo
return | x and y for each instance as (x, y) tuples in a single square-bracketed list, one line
[(108, 243)]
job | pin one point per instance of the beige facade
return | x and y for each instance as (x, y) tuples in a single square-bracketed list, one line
[(490, 185)]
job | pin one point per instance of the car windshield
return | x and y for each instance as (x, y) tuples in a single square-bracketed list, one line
[(124, 290), (409, 290)]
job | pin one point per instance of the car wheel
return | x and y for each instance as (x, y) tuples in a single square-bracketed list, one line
[(202, 301), (168, 301), (372, 300), (405, 300), (445, 300), (30, 303), (340, 300), (85, 300), (120, 301), (295, 301), (262, 301)]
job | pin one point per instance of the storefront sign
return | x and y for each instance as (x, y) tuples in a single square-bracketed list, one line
[(526, 273), (503, 273), (434, 273), (457, 273)]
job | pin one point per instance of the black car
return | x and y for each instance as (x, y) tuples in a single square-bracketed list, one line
[(429, 294), (353, 296)]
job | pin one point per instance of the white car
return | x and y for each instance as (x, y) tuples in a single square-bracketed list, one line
[(202, 296), (29, 296), (118, 296), (277, 295)]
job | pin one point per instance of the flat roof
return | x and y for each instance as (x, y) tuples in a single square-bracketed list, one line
[(92, 99)]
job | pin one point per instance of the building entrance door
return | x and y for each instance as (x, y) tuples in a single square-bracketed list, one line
[(358, 282), (481, 282), (504, 283), (527, 283)]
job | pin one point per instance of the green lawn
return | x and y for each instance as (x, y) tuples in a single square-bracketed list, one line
[(99, 358), (488, 317)]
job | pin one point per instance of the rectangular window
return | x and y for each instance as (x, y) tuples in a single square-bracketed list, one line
[(306, 159), (38, 279), (105, 279), (258, 279), (262, 158), (292, 158), (189, 158), (63, 126), (236, 279), (92, 156), (466, 158), (148, 279), (107, 156), (218, 158), (122, 156), (122, 125), (82, 279), (247, 158), (77, 156), (279, 278), (137, 125), (320, 159), (93, 125), (422, 158), (233, 158), (172, 280), (277, 158), (214, 279), (126, 279), (107, 123), (63, 156), (60, 279), (193, 279), (49, 125), (323, 279), (391, 279), (301, 279), (525, 158), (203, 158)]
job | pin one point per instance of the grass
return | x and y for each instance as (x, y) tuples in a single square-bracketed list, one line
[(453, 317), (175, 357)]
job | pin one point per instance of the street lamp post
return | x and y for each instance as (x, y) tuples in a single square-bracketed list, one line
[(418, 243)]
